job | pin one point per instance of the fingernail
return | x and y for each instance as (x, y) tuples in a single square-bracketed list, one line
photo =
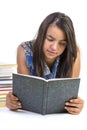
[(66, 103), (16, 98), (65, 107), (19, 104)]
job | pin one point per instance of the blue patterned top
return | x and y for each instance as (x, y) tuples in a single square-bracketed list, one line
[(29, 60)]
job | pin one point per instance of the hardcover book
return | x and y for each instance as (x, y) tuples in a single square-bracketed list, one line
[(44, 96)]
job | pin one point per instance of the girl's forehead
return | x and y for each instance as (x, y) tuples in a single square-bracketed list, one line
[(56, 32)]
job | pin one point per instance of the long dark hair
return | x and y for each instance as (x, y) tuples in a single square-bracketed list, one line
[(69, 55)]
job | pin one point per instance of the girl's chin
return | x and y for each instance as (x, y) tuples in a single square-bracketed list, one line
[(50, 58)]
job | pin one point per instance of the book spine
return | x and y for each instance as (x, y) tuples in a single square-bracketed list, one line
[(45, 89)]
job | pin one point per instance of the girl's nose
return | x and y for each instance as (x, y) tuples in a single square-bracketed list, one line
[(55, 45)]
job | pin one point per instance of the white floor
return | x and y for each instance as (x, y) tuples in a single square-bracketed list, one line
[(10, 120)]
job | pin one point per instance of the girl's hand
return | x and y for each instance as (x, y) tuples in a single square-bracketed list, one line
[(12, 102), (74, 106)]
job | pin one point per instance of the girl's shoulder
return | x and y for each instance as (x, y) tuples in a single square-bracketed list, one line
[(26, 44), (78, 48), (28, 47)]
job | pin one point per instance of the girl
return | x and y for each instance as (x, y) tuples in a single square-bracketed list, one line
[(52, 54)]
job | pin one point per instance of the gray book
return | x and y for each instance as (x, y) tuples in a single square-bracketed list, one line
[(44, 96)]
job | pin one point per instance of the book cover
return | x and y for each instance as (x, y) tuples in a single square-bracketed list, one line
[(44, 96)]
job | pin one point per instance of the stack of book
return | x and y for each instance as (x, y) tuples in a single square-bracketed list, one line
[(6, 71)]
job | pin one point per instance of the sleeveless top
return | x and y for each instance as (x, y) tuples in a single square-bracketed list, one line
[(29, 61)]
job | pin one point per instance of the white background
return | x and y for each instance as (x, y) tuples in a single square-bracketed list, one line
[(20, 19)]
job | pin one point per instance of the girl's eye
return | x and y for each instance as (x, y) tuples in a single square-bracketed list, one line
[(62, 43), (49, 39)]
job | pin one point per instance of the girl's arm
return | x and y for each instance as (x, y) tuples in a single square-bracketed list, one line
[(76, 66), (21, 61), (12, 101), (75, 106)]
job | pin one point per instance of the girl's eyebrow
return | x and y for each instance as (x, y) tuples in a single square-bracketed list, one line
[(54, 38), (50, 36)]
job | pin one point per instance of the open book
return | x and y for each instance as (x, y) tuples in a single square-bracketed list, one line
[(44, 96)]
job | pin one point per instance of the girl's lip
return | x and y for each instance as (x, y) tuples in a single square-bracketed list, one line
[(51, 52)]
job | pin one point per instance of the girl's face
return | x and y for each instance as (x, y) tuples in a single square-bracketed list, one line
[(54, 43)]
